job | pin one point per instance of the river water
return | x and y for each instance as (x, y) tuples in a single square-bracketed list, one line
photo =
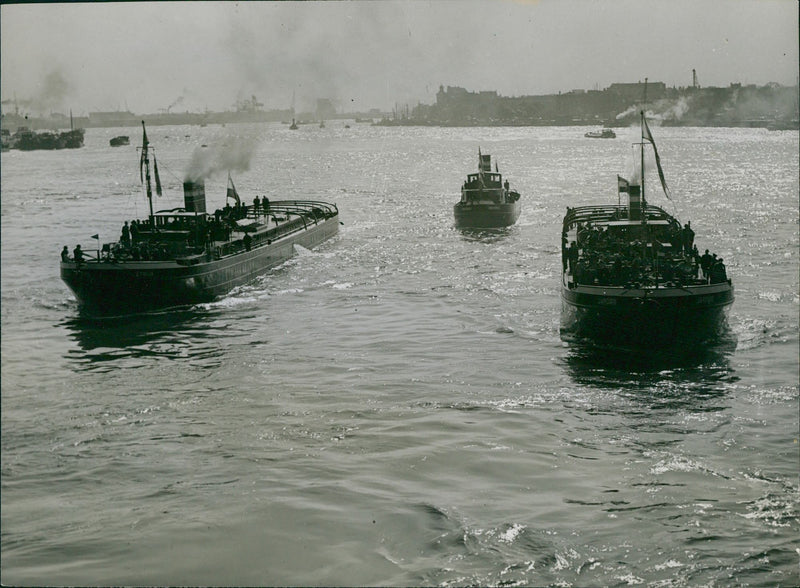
[(397, 407)]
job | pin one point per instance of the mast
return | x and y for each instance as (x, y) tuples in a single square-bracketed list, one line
[(146, 162), (641, 127)]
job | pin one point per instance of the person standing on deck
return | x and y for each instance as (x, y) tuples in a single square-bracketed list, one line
[(65, 254), (705, 264), (126, 235), (134, 231), (688, 238), (77, 255)]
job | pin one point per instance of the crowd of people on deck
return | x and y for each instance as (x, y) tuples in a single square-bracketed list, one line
[(669, 256), (133, 247)]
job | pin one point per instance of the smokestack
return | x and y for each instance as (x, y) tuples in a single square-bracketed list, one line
[(194, 196), (634, 202)]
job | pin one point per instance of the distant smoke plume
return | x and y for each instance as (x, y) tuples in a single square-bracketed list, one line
[(233, 154), (630, 111), (178, 101), (661, 110), (54, 90)]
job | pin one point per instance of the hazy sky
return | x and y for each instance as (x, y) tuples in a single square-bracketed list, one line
[(149, 56)]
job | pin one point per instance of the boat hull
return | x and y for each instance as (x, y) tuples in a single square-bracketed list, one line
[(108, 288), (486, 216), (645, 318)]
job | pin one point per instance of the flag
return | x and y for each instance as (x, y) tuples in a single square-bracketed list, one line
[(158, 180), (622, 184), (232, 190), (97, 236), (648, 136), (145, 143)]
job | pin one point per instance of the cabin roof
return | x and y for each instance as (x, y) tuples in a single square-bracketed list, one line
[(630, 223), (179, 213)]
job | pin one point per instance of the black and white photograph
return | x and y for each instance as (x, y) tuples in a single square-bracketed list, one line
[(400, 293)]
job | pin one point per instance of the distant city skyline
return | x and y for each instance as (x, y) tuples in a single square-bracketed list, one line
[(158, 56)]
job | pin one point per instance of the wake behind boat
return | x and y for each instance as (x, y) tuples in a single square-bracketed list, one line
[(633, 277), (188, 256), (486, 201)]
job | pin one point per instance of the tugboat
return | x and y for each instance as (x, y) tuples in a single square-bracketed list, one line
[(486, 201), (630, 274), (604, 134), (186, 256)]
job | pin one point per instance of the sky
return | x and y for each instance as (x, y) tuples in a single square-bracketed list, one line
[(150, 57)]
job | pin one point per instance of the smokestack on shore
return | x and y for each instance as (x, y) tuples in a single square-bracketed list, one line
[(194, 196)]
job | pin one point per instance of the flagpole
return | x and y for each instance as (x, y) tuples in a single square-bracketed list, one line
[(644, 201), (146, 162)]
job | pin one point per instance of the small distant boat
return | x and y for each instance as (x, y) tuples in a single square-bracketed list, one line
[(187, 256), (604, 134), (119, 141), (486, 201), (630, 274), (322, 124), (293, 126)]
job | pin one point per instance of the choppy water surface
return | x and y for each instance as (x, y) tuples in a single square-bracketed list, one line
[(397, 407)]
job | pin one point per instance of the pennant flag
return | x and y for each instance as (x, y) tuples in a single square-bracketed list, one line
[(97, 236), (158, 180), (648, 136), (622, 184), (232, 190)]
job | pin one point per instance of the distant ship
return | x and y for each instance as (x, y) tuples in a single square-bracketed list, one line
[(486, 202), (293, 126), (119, 141), (604, 134), (630, 274), (25, 139), (186, 256)]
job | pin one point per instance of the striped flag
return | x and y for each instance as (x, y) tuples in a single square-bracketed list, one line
[(232, 190)]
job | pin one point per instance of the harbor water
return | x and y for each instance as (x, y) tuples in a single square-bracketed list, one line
[(397, 407)]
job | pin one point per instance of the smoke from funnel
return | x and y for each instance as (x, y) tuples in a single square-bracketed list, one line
[(234, 154)]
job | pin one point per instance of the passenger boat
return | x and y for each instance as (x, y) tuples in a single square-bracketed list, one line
[(604, 134), (187, 256), (630, 274), (486, 201)]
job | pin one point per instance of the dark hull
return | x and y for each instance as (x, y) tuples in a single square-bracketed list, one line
[(31, 141), (645, 318), (108, 288), (486, 216)]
